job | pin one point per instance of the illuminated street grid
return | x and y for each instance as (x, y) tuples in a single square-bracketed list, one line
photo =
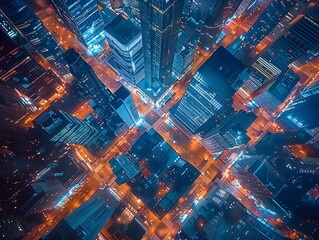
[(176, 170)]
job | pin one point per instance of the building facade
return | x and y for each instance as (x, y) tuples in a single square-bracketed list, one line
[(160, 24), (277, 92), (125, 107), (20, 23), (125, 41), (64, 128), (83, 18)]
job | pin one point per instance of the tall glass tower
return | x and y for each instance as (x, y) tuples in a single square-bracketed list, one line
[(18, 21), (83, 18), (160, 22)]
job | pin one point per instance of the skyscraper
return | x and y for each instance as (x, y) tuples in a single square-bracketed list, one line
[(61, 127), (18, 14), (270, 25), (209, 95), (86, 79), (160, 23), (19, 71), (230, 133), (276, 11), (39, 196), (277, 92), (125, 167), (219, 13), (311, 89), (82, 17), (251, 81), (198, 11), (125, 41), (123, 103), (86, 221), (301, 113), (299, 44), (184, 54)]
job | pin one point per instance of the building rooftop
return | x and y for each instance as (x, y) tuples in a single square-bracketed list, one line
[(119, 96), (220, 70), (165, 176), (124, 31), (107, 15)]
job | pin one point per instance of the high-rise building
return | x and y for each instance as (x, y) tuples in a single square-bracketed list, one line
[(83, 18), (184, 54), (265, 68), (86, 79), (219, 13), (299, 44), (17, 14), (277, 92), (300, 114), (125, 107), (160, 23), (131, 8), (198, 10), (209, 94), (39, 196), (230, 133), (273, 143), (243, 6), (125, 167), (268, 175), (61, 127), (193, 22), (19, 71), (275, 12), (251, 81), (271, 24), (125, 41), (90, 86), (86, 221), (311, 89)]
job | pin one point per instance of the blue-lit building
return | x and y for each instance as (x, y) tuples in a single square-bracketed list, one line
[(296, 46), (219, 13), (39, 196), (123, 103), (86, 79), (311, 89), (198, 11), (249, 81), (184, 54), (276, 93), (268, 175), (161, 167), (300, 114), (61, 127), (21, 72), (83, 18), (86, 221), (209, 95), (88, 85), (299, 44), (230, 133), (160, 23), (125, 167), (125, 41), (20, 23), (268, 20)]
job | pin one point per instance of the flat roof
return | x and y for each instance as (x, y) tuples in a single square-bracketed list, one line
[(124, 31), (220, 70)]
